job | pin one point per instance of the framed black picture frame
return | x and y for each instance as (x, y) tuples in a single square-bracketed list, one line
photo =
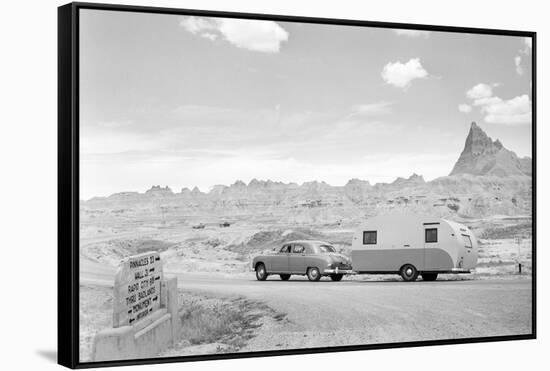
[(69, 199)]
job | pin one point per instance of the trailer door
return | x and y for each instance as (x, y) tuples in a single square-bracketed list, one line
[(431, 247)]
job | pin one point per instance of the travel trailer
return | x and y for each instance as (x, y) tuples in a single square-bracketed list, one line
[(412, 245)]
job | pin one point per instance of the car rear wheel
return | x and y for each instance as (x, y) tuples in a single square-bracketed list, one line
[(285, 277), (409, 273), (429, 276), (313, 274), (336, 277), (261, 273)]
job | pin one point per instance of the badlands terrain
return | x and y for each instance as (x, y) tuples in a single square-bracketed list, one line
[(489, 189), (215, 234)]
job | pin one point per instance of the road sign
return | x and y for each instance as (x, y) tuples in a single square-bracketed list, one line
[(137, 288)]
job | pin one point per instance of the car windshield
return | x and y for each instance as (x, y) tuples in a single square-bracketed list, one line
[(326, 248)]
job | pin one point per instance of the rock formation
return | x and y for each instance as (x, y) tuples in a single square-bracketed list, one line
[(487, 179), (483, 156)]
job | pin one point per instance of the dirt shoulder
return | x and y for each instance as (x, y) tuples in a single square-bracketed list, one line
[(219, 324), (96, 314), (210, 323)]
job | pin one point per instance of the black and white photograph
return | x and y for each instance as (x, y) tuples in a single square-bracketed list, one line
[(248, 185), (275, 185), (272, 179)]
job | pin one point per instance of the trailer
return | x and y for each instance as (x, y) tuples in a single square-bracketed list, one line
[(412, 245)]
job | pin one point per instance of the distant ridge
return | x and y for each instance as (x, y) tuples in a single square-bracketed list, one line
[(487, 179), (483, 156)]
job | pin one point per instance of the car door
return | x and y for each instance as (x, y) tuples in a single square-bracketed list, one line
[(279, 261), (297, 259)]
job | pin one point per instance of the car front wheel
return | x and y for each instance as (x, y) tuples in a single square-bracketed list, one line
[(261, 273), (313, 274)]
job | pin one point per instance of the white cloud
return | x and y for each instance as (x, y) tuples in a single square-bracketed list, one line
[(509, 112), (196, 25), (465, 108), (517, 62), (97, 140), (370, 109), (412, 33), (527, 45), (528, 42), (260, 36), (486, 101), (500, 111), (401, 74), (480, 91), (210, 36), (263, 36)]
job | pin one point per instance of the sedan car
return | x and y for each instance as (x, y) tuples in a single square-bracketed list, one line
[(314, 259)]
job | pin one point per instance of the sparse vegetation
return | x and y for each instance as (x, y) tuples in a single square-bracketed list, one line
[(453, 207), (214, 242), (267, 240), (112, 251), (511, 231), (96, 307), (150, 245), (230, 322)]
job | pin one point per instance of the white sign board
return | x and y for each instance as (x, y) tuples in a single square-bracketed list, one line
[(137, 288)]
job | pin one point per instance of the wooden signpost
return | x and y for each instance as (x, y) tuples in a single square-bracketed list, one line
[(137, 288)]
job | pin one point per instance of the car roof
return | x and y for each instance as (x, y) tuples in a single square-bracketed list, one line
[(308, 242)]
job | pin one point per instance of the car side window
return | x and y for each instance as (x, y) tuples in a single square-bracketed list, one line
[(431, 235), (285, 249), (369, 237), (299, 249)]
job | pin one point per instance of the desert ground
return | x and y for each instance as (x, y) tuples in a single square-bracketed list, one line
[(215, 282)]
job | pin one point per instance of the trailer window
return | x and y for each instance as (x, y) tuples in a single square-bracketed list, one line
[(467, 241), (369, 238), (431, 235)]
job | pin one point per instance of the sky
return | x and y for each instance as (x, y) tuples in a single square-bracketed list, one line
[(194, 101)]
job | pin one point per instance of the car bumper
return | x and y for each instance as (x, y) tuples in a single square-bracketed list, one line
[(338, 271), (460, 270)]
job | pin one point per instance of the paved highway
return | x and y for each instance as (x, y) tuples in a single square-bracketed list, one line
[(358, 311)]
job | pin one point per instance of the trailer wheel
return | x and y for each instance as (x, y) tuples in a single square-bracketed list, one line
[(429, 276), (261, 273), (313, 274), (284, 277), (409, 273), (336, 277)]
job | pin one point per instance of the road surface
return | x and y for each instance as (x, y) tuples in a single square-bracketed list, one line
[(358, 311)]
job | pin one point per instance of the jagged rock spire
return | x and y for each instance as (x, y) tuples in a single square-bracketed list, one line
[(483, 156)]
